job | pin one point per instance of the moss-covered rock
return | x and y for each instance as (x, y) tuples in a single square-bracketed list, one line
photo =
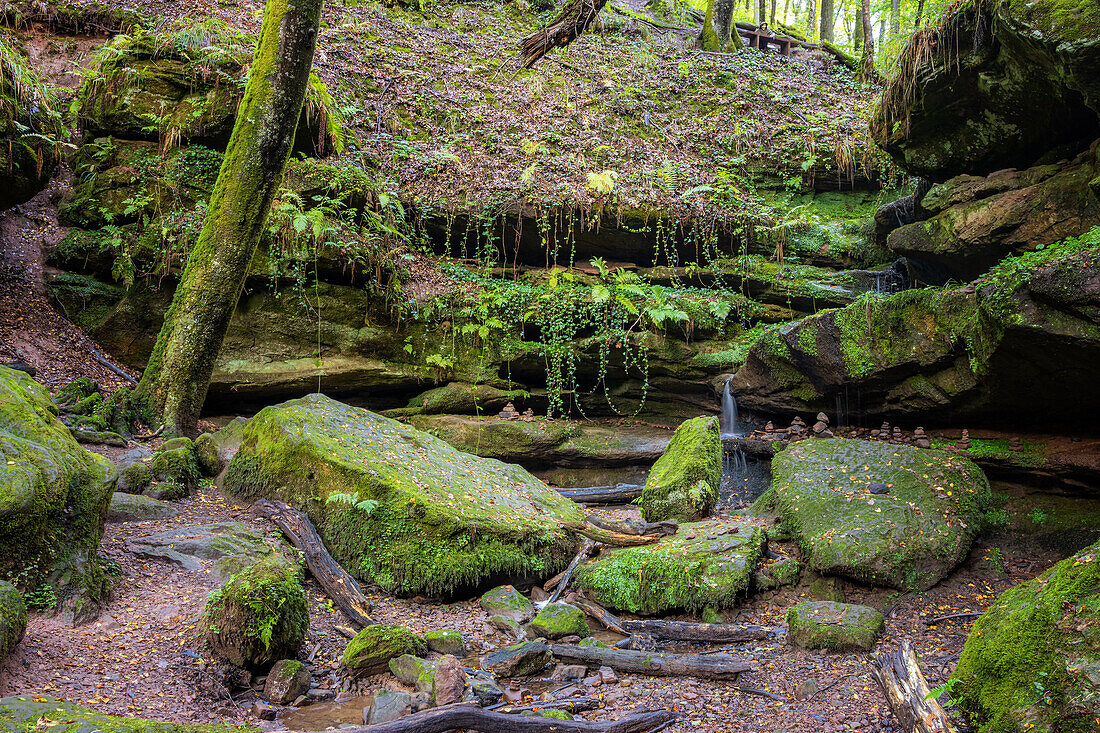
[(1032, 660), (135, 508), (135, 478), (556, 620), (985, 350), (372, 648), (837, 626), (461, 398), (288, 679), (166, 87), (909, 538), (683, 484), (259, 616), (30, 130), (414, 671), (398, 507), (705, 564), (13, 618), (785, 571), (964, 100), (506, 601), (446, 642), (53, 499), (213, 451), (518, 660), (26, 714), (174, 461)]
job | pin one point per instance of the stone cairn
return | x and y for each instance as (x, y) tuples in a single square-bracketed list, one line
[(797, 427), (964, 442), (529, 415), (1015, 444), (821, 427), (509, 412), (921, 439)]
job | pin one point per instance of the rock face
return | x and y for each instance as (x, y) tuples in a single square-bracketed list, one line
[(230, 545), (372, 648), (966, 98), (683, 484), (836, 626), (136, 508), (259, 616), (53, 498), (706, 564), (991, 349), (1032, 659), (398, 507), (556, 620), (13, 618), (518, 660), (909, 538), (26, 160), (973, 222)]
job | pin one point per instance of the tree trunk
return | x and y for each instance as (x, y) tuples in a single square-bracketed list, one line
[(174, 384), (827, 20), (811, 19), (867, 64), (895, 17), (718, 33), (920, 11), (771, 18), (468, 716), (882, 31), (762, 12)]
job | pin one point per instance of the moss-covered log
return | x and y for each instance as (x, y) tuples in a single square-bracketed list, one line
[(174, 384)]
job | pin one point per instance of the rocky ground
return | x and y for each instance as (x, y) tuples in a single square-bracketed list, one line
[(144, 657)]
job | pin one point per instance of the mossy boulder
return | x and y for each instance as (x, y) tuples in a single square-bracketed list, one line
[(414, 671), (506, 601), (396, 506), (53, 499), (134, 478), (1032, 660), (167, 87), (13, 618), (683, 484), (372, 648), (965, 101), (30, 130), (259, 616), (462, 398), (24, 714), (287, 680), (446, 642), (136, 508), (556, 620), (705, 564), (175, 461), (519, 660), (908, 538), (213, 451), (836, 626), (985, 350)]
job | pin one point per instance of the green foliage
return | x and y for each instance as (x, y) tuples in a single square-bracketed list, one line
[(42, 598)]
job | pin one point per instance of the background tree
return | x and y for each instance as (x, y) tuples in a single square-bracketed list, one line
[(867, 64), (827, 20), (717, 33), (174, 384)]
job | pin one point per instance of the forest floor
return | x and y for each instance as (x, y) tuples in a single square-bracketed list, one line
[(144, 656)]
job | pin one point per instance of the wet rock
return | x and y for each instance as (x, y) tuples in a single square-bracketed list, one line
[(286, 681), (263, 711), (137, 508), (482, 687), (372, 648), (507, 625), (388, 706), (557, 620), (608, 676), (414, 671), (569, 672), (878, 489), (506, 601), (518, 660), (836, 626), (446, 642), (450, 681), (13, 618), (683, 483)]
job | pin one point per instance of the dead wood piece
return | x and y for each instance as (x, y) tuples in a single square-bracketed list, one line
[(617, 494), (605, 617), (951, 617), (607, 537), (568, 704), (585, 550), (633, 527), (571, 22), (333, 579), (471, 717), (907, 695), (709, 666), (688, 631)]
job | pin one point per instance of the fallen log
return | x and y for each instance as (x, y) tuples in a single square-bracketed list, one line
[(333, 579), (617, 494), (585, 550), (605, 617), (608, 537), (632, 527), (471, 717), (907, 695), (573, 20), (952, 617), (568, 704), (703, 666), (688, 631)]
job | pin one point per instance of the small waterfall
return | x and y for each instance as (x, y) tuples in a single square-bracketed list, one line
[(727, 422)]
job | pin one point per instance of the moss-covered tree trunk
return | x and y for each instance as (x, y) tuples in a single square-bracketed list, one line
[(718, 33), (174, 384)]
